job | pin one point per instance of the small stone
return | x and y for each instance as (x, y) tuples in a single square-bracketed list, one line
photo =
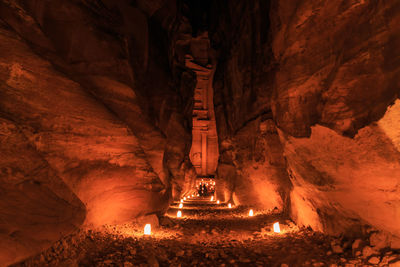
[(385, 260), (379, 240), (337, 249), (374, 260), (42, 258), (180, 253), (245, 260), (367, 251), (128, 264), (356, 244), (284, 265), (152, 261), (349, 265), (329, 253), (189, 252), (393, 258)]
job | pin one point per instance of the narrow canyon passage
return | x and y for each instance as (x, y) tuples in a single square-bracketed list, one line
[(143, 132)]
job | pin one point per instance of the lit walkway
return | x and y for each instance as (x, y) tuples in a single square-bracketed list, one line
[(207, 234)]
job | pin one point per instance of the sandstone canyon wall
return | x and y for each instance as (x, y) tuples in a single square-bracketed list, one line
[(89, 135), (252, 169), (334, 103), (322, 78)]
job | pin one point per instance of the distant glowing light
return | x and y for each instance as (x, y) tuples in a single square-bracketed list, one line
[(147, 229), (188, 197), (181, 200), (179, 214), (180, 205), (277, 229), (229, 205), (184, 198), (251, 213), (212, 198), (218, 202)]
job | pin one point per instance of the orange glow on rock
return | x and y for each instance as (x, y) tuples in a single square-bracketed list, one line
[(277, 229), (147, 229)]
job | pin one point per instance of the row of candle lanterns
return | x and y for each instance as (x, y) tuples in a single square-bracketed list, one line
[(276, 227), (147, 227)]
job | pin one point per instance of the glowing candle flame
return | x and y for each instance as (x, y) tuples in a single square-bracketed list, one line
[(218, 202), (179, 214), (184, 198), (147, 229), (229, 205), (180, 205), (188, 196), (251, 213), (277, 229), (181, 200), (212, 198)]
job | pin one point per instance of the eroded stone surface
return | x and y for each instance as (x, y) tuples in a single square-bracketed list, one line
[(32, 195), (339, 74)]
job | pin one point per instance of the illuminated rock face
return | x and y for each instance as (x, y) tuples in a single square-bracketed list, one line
[(91, 136), (36, 206), (325, 75), (95, 154), (338, 64), (204, 150), (252, 168)]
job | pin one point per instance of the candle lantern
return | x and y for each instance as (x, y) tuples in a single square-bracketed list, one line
[(147, 229)]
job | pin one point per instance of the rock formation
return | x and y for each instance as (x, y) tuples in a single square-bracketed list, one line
[(97, 101), (95, 143), (204, 150), (322, 75)]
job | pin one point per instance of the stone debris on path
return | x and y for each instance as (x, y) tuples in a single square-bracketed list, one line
[(212, 235)]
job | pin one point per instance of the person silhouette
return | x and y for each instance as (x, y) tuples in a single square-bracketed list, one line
[(200, 190), (205, 190)]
